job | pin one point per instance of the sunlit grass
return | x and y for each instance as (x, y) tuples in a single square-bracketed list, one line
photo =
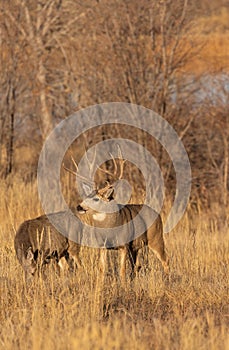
[(189, 310)]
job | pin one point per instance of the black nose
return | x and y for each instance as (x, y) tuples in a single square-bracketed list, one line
[(79, 208)]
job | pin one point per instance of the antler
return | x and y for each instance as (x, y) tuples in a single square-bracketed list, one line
[(103, 190), (76, 173), (91, 164), (121, 166), (121, 162)]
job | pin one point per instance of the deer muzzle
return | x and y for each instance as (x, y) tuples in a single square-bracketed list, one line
[(80, 209)]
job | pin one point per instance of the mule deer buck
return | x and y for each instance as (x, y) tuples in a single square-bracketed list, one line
[(38, 243), (92, 211)]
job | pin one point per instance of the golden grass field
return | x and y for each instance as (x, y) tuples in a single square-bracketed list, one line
[(209, 38), (189, 310)]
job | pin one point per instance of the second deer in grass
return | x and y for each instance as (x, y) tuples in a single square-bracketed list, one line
[(38, 243)]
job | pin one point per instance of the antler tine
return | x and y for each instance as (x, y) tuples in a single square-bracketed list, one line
[(91, 165), (75, 173), (78, 175), (115, 164), (122, 162), (104, 189), (74, 162), (115, 173), (122, 168), (69, 170), (106, 171)]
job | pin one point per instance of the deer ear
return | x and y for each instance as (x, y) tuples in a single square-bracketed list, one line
[(87, 188), (109, 194), (30, 254)]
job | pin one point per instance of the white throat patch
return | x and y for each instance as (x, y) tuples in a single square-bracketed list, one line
[(99, 216)]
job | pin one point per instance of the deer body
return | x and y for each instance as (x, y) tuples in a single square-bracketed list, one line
[(92, 211), (38, 242)]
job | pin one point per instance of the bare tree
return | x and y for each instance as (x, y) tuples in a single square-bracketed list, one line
[(44, 26), (12, 92)]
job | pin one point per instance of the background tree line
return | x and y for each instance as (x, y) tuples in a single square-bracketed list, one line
[(58, 56)]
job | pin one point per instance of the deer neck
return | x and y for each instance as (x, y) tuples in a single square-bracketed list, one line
[(100, 217)]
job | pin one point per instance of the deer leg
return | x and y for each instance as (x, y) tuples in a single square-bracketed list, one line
[(124, 255), (159, 249), (72, 256), (73, 261), (137, 262), (62, 263), (29, 263), (103, 260), (132, 258), (134, 262), (76, 261)]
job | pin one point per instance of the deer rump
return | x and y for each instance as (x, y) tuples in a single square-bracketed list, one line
[(38, 242), (42, 238)]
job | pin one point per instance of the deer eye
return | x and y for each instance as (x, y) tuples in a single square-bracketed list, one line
[(96, 199)]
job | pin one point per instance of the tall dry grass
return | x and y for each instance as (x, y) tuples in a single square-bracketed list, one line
[(79, 311)]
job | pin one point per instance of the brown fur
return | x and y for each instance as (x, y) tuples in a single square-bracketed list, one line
[(37, 243), (151, 237)]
